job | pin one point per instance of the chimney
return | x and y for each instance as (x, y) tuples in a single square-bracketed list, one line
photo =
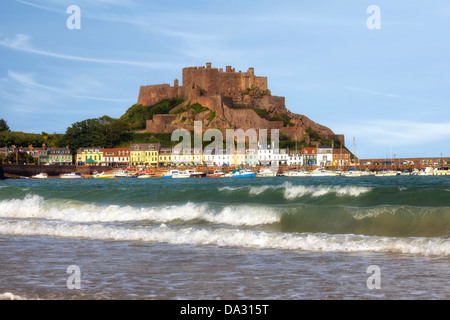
[(251, 70), (208, 65)]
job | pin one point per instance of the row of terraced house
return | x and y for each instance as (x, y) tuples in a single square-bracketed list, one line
[(153, 155)]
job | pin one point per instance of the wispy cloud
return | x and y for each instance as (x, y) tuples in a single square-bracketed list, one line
[(382, 94), (39, 6), (21, 42), (27, 80)]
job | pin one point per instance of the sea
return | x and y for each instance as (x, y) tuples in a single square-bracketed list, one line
[(274, 238)]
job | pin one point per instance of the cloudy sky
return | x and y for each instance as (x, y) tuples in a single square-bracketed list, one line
[(387, 89)]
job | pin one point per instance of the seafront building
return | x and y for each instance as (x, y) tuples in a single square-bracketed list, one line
[(309, 156), (295, 159), (89, 156), (165, 157), (61, 156), (116, 157), (153, 155), (325, 156), (144, 154), (341, 157)]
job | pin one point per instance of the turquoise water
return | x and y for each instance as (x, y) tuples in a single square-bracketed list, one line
[(249, 237)]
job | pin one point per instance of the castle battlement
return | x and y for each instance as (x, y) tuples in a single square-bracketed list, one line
[(204, 81)]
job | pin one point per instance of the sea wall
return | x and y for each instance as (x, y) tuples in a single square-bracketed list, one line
[(30, 170)]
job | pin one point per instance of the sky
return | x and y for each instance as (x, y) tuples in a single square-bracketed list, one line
[(381, 80)]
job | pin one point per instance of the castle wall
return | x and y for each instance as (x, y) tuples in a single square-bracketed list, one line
[(150, 95), (214, 81)]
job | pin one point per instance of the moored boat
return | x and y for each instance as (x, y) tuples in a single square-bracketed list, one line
[(216, 174), (145, 176), (266, 173), (243, 173), (103, 175), (72, 175), (322, 172), (299, 173), (41, 175), (168, 174), (176, 174), (196, 174), (122, 174)]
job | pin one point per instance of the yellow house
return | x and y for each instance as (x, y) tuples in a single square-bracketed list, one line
[(165, 157), (144, 154), (187, 157), (90, 155)]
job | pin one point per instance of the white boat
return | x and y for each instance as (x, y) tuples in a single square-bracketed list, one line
[(41, 175), (266, 173), (72, 175), (428, 171), (389, 173), (353, 173), (103, 175), (299, 173), (145, 175), (176, 174), (322, 172), (122, 174), (168, 174)]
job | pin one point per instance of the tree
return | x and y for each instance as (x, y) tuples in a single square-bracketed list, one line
[(102, 132), (3, 126)]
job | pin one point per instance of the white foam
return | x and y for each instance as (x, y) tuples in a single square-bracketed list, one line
[(233, 238), (36, 207), (10, 296), (298, 191), (292, 191)]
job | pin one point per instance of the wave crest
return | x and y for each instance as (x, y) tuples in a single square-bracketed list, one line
[(36, 207)]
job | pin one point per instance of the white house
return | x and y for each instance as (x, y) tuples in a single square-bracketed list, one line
[(325, 156), (295, 159), (222, 157)]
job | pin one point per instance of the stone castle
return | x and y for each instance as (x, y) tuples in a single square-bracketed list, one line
[(233, 97)]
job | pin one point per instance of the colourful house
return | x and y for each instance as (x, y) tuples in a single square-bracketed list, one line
[(61, 156), (144, 154), (165, 157), (95, 154), (309, 156), (116, 157)]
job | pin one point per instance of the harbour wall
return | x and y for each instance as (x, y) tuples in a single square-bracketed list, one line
[(31, 170)]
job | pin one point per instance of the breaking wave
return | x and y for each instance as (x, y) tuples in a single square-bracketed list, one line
[(291, 191), (33, 206), (232, 238)]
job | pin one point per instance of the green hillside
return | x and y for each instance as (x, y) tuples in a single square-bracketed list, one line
[(137, 115)]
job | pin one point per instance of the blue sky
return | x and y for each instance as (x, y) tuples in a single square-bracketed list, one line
[(388, 88)]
